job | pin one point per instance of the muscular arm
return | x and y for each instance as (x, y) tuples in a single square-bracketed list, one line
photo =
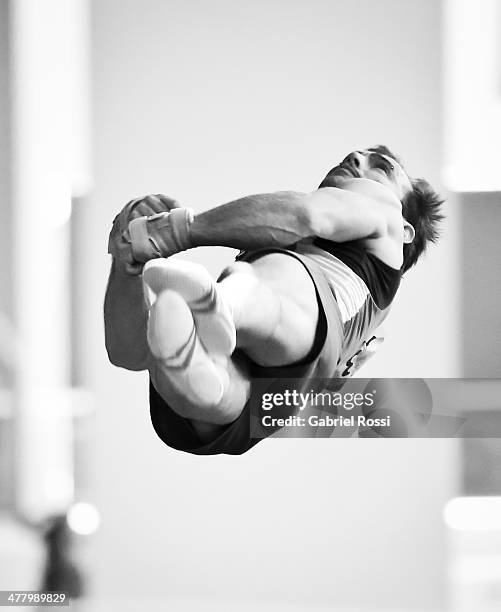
[(283, 218), (125, 320), (276, 219), (125, 312)]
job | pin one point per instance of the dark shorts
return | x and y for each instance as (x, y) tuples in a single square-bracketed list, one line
[(178, 433)]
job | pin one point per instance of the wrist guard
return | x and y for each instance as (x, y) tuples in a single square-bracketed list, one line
[(160, 235)]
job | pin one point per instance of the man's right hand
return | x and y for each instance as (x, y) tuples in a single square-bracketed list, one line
[(119, 245)]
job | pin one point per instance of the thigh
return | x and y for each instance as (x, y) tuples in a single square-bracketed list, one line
[(294, 291)]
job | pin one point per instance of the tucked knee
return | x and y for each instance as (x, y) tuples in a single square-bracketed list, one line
[(236, 267)]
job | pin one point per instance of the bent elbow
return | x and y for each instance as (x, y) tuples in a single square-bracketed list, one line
[(318, 224), (322, 211)]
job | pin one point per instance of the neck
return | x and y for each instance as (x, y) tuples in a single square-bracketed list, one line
[(372, 189)]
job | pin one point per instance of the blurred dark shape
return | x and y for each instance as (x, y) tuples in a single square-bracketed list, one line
[(61, 572), (481, 453)]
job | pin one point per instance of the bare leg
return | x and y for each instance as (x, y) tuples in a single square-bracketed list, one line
[(274, 308), (275, 312)]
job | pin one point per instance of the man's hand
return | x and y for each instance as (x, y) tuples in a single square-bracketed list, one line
[(119, 245)]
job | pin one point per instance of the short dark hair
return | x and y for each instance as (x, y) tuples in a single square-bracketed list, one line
[(422, 209)]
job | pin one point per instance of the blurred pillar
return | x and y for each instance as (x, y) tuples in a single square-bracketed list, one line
[(472, 94), (472, 131), (6, 307), (46, 56), (6, 214), (480, 287)]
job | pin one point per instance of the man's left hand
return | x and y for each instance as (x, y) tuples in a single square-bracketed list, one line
[(119, 243)]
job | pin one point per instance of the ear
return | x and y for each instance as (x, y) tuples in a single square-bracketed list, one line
[(409, 232)]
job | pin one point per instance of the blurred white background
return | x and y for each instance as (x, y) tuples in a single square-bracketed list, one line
[(105, 100)]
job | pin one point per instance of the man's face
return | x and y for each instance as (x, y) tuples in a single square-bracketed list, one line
[(372, 165)]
